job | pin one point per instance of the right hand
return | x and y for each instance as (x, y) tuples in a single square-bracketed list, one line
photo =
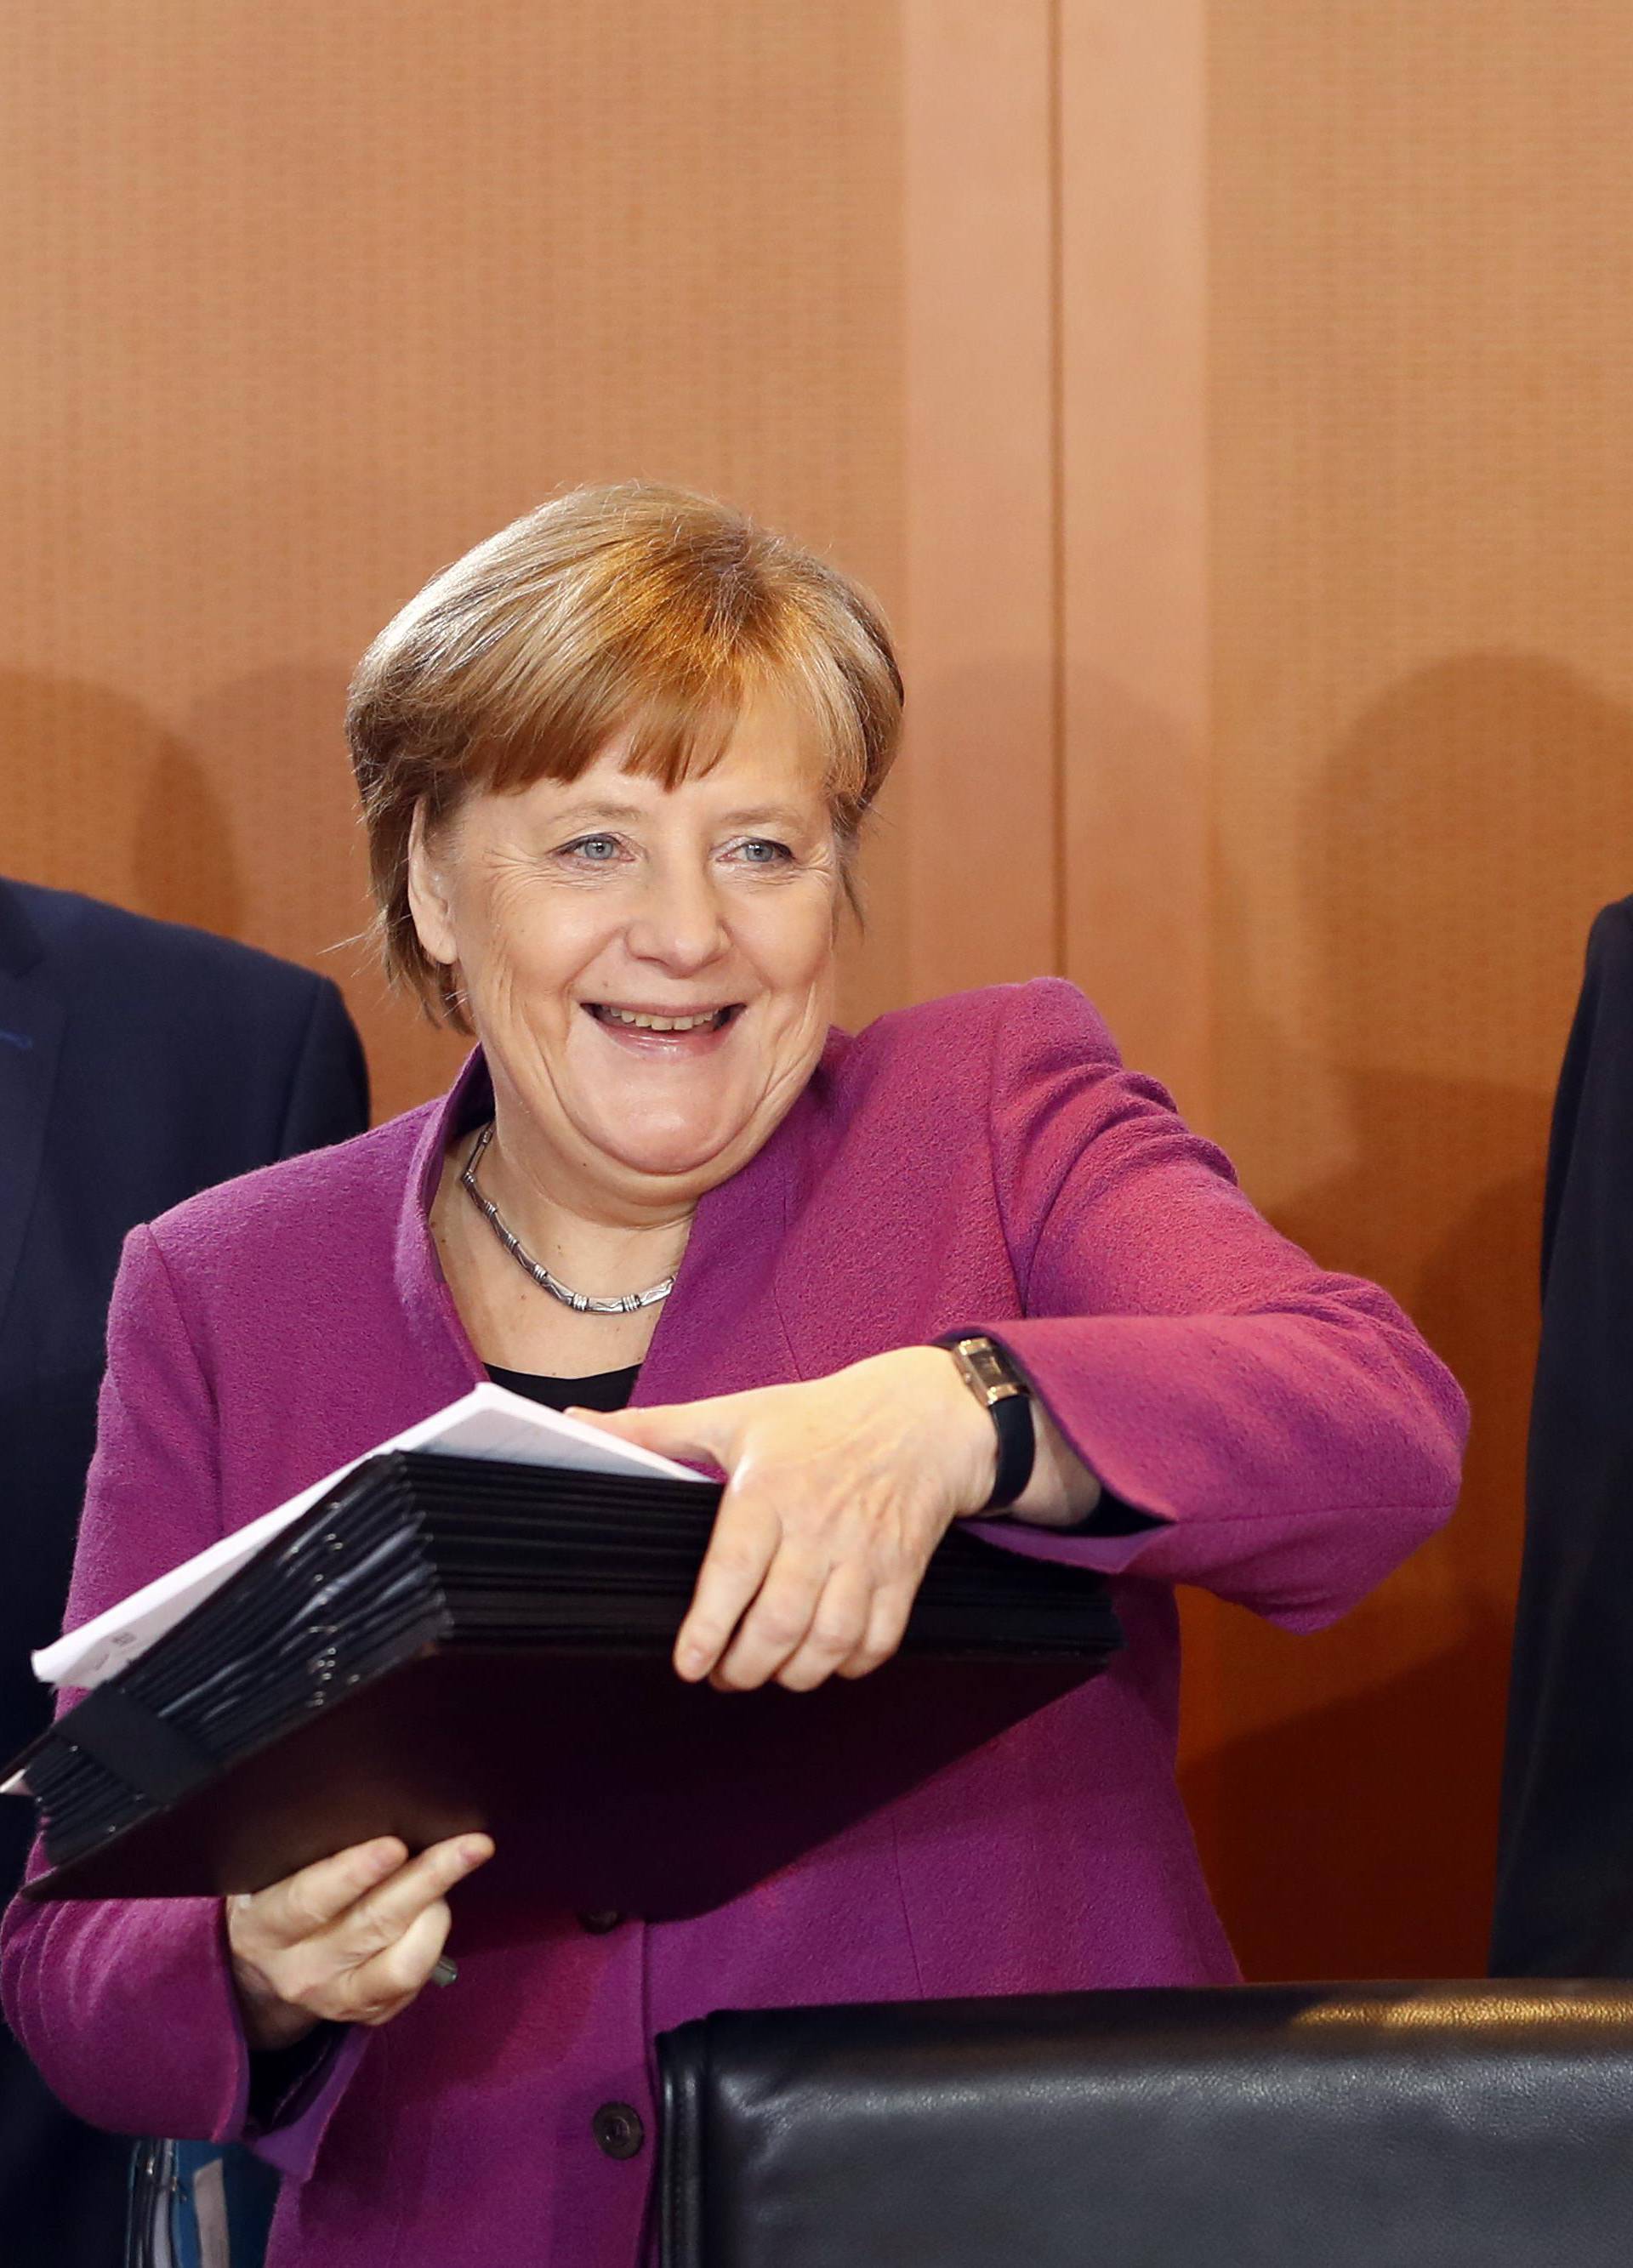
[(350, 1939)]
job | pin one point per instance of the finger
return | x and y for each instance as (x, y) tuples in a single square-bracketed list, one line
[(381, 1988), (381, 1917), (705, 1432), (777, 1622), (887, 1624), (838, 1628), (740, 1554), (305, 1903)]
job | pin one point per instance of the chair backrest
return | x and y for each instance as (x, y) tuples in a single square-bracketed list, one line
[(1443, 2125)]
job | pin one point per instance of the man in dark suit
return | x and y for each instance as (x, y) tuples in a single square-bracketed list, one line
[(139, 1063), (1565, 1897)]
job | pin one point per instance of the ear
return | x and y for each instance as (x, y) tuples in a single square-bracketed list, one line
[(430, 899)]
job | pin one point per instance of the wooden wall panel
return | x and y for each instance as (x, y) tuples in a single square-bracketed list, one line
[(982, 757), (1422, 565), (1348, 566), (299, 302), (1134, 598)]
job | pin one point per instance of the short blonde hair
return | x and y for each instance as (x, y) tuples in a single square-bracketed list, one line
[(628, 609)]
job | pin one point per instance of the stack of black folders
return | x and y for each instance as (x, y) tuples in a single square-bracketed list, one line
[(443, 1642)]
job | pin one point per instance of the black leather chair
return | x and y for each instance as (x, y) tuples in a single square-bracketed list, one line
[(1459, 2125)]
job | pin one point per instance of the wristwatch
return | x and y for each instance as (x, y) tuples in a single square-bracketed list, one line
[(996, 1384)]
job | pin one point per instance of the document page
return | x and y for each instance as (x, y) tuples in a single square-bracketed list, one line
[(489, 1422)]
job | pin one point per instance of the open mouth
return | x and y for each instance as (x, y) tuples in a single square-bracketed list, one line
[(651, 1020)]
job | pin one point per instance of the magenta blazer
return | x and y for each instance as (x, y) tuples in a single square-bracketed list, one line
[(981, 1161)]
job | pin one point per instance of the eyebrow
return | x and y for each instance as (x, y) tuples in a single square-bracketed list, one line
[(780, 814), (579, 810), (776, 814)]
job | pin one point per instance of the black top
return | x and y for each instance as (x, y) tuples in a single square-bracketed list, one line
[(603, 1389)]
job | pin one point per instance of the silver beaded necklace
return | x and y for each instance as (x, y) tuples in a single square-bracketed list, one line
[(580, 1302)]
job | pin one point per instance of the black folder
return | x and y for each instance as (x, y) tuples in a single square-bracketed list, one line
[(443, 1643)]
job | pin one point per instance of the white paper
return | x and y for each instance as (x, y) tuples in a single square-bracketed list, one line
[(489, 1422)]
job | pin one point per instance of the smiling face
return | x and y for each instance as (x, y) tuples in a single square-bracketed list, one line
[(649, 969)]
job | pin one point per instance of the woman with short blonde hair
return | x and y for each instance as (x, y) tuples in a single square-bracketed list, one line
[(960, 1265)]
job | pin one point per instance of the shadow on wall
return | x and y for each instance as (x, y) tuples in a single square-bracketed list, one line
[(244, 823), (276, 738), (1465, 834), (105, 799)]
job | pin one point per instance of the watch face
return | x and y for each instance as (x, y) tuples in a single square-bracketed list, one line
[(990, 1367)]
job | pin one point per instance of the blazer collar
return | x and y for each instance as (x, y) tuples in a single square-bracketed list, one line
[(720, 1329), (33, 1015)]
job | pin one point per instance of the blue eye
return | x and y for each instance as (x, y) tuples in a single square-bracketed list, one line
[(759, 852), (598, 849)]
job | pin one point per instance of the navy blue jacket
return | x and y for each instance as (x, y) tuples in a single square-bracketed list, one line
[(139, 1063)]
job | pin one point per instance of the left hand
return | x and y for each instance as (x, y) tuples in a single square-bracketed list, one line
[(838, 1489)]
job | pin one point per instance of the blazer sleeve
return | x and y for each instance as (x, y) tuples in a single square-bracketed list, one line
[(329, 1097), (1565, 1853), (127, 2006), (1287, 1432)]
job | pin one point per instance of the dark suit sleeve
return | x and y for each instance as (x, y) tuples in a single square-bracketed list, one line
[(1564, 1906), (328, 1097)]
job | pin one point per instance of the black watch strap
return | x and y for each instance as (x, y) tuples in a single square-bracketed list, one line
[(1007, 1398)]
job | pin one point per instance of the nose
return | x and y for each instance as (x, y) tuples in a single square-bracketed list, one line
[(679, 924)]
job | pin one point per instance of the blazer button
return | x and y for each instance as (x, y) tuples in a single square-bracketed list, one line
[(599, 1923), (619, 2129)]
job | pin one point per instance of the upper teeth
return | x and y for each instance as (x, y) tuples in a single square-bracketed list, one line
[(660, 1023)]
